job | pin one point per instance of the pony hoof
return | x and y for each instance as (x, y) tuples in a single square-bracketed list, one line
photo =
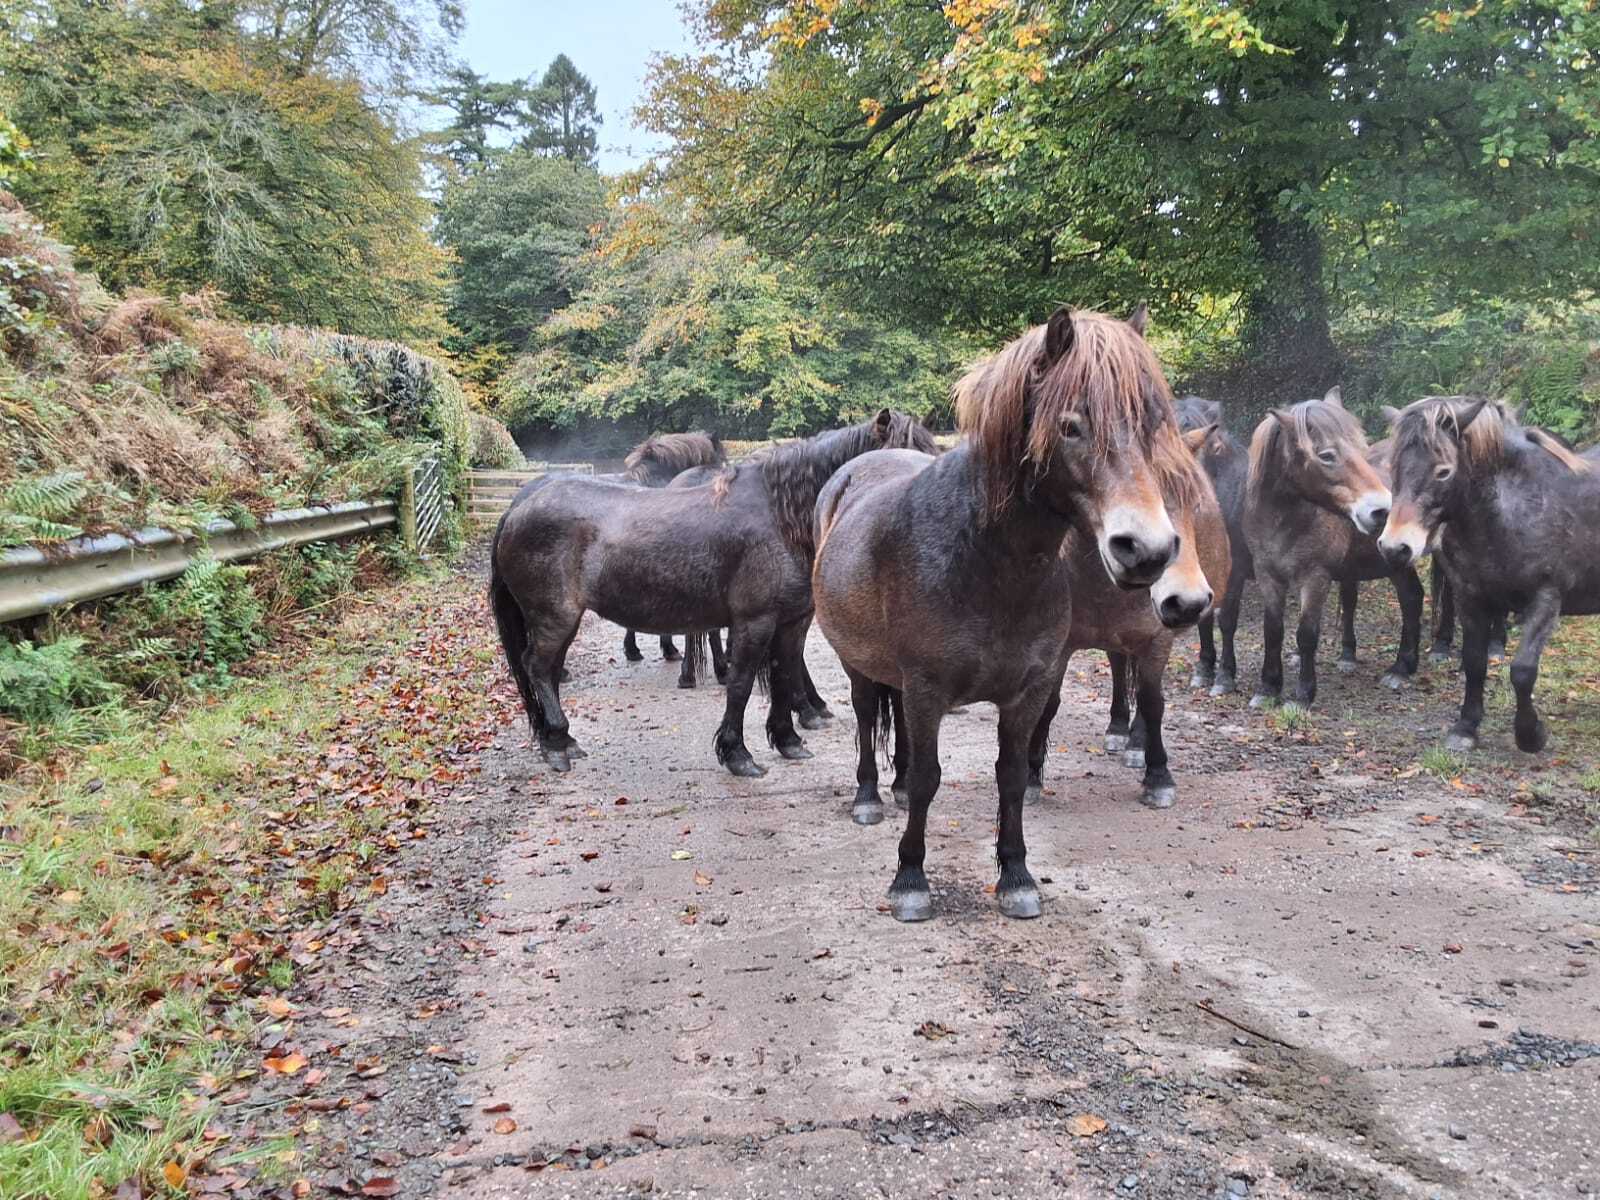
[(1021, 903), (1161, 796), (1460, 742), (810, 719), (745, 768), (566, 675), (911, 906), (1200, 680), (1531, 741), (1225, 685), (867, 811), (1133, 758), (1033, 793), (1394, 681), (686, 682), (1116, 743), (558, 760), (632, 655), (794, 751), (1263, 700), (1347, 666), (825, 713), (902, 798), (670, 656)]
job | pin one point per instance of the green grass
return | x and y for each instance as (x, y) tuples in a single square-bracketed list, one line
[(1290, 718), (1441, 763), (146, 897)]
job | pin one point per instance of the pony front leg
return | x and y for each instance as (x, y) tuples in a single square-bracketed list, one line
[(1539, 621), (1116, 739), (750, 644), (1313, 596), (1408, 587), (1272, 597), (1349, 594), (1463, 734), (909, 897), (1160, 789), (1038, 748), (1016, 892), (1205, 671), (870, 703)]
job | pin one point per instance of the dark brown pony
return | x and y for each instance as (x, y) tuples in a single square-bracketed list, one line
[(1313, 502), (1137, 629), (656, 462), (942, 580), (1227, 465), (1515, 519), (735, 555)]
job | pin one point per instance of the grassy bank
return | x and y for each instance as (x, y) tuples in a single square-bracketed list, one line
[(154, 890)]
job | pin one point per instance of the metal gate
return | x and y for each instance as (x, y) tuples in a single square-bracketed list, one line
[(490, 492), (422, 509)]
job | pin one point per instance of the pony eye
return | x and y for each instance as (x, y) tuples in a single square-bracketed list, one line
[(1072, 429), (1443, 472), (1329, 456)]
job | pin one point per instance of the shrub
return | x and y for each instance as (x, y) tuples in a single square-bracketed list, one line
[(492, 444), (43, 684)]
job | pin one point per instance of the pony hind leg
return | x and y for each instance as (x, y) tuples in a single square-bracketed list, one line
[(1313, 597), (543, 661), (787, 692), (1227, 681), (630, 647), (1539, 622), (1117, 728), (1408, 586), (902, 750), (870, 701), (1038, 749), (909, 896), (669, 652), (1160, 789), (1349, 594), (1444, 613), (750, 644), (1205, 669), (1272, 597), (719, 657)]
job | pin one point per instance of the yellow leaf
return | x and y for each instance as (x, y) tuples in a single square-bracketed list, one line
[(1085, 1125), (174, 1174)]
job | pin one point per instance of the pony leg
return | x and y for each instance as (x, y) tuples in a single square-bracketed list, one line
[(719, 659), (1038, 748), (818, 704), (1463, 734), (751, 645), (687, 674), (1444, 613), (1272, 595), (902, 749), (1313, 596), (669, 652), (1408, 586), (1498, 635), (1349, 594), (871, 705), (1016, 892), (813, 711), (630, 648), (1117, 728), (786, 692), (1228, 623), (909, 897), (1539, 621), (1205, 671), (542, 661), (1160, 789)]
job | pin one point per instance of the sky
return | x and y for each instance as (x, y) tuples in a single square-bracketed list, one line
[(610, 41)]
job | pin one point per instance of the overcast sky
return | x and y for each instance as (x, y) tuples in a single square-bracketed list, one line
[(610, 41)]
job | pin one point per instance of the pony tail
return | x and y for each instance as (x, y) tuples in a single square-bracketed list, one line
[(883, 734), (694, 654), (513, 630)]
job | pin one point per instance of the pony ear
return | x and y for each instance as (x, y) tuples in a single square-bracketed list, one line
[(1391, 415), (1196, 438), (1467, 414), (1058, 336), (1334, 396), (1140, 320), (1285, 418), (882, 424)]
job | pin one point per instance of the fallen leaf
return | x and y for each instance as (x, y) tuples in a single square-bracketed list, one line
[(589, 855), (647, 1132), (174, 1174), (502, 1106), (701, 879), (934, 1031), (277, 1006), (682, 855), (1085, 1125), (10, 1128), (381, 1185), (1452, 947), (1421, 853), (288, 1064), (505, 1125)]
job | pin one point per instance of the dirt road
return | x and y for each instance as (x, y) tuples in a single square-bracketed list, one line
[(1321, 974)]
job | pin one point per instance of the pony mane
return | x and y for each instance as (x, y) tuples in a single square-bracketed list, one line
[(795, 472), (669, 453), (1432, 421), (1010, 411), (1311, 420)]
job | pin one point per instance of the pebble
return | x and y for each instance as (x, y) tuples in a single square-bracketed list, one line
[(1457, 1133), (1129, 1182), (1238, 1187)]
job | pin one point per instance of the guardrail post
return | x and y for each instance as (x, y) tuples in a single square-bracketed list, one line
[(408, 510)]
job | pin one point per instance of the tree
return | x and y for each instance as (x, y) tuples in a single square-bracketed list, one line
[(518, 229), (561, 114), (388, 44), (477, 106), (978, 161)]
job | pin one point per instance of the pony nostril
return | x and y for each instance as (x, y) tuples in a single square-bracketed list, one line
[(1399, 554), (1380, 517), (1125, 549)]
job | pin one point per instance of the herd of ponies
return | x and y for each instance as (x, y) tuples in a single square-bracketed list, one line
[(1084, 508)]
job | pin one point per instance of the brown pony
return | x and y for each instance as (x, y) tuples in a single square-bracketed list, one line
[(941, 581), (1137, 629), (660, 559), (1515, 519), (1313, 502)]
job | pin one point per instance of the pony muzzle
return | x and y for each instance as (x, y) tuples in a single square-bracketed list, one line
[(1371, 511), (1180, 603), (1402, 541), (1137, 548)]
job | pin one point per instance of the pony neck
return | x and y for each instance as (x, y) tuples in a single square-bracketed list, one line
[(794, 476), (1027, 528)]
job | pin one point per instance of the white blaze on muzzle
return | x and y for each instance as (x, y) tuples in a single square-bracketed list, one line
[(1371, 510), (1407, 534), (1137, 544)]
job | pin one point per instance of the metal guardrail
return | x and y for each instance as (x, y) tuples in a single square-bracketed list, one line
[(33, 581)]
